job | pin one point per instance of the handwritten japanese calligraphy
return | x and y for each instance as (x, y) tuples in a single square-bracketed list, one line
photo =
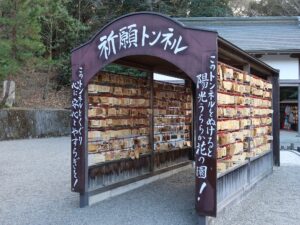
[(128, 36), (133, 36), (201, 171), (77, 124), (205, 145)]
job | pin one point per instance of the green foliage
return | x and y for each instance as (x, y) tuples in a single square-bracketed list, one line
[(274, 8), (106, 10), (45, 31), (118, 69), (64, 70), (8, 66), (60, 30), (60, 33), (20, 39), (210, 8), (177, 8)]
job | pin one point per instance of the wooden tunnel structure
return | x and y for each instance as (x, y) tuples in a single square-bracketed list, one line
[(223, 115)]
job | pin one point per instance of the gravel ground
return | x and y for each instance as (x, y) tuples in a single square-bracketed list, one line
[(35, 189), (274, 201)]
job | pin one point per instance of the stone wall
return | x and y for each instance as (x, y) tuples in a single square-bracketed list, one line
[(33, 123)]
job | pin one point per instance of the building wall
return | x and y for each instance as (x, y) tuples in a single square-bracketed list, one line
[(289, 76), (289, 67)]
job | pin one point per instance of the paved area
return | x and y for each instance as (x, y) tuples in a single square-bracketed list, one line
[(35, 189), (289, 137), (288, 158), (274, 201)]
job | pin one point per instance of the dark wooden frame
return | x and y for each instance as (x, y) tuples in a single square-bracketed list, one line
[(202, 45)]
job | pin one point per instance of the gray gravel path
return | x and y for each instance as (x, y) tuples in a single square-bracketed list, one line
[(35, 189), (274, 201)]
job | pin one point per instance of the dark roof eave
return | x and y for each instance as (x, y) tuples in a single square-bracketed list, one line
[(246, 55), (274, 51), (240, 18)]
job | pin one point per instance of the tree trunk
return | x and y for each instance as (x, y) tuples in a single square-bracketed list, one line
[(46, 89), (14, 31), (5, 97), (79, 19), (50, 39), (150, 4)]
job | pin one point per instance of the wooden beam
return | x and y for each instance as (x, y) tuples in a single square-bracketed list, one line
[(151, 120), (276, 119)]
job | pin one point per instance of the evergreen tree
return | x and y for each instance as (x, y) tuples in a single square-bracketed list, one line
[(20, 40), (60, 33), (209, 8), (49, 29), (274, 8), (105, 11)]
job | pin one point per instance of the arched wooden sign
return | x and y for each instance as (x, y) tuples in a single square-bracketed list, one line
[(191, 50)]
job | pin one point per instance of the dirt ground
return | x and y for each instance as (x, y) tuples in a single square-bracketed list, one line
[(32, 91)]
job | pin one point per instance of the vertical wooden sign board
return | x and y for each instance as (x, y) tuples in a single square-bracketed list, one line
[(206, 138), (193, 51), (77, 132)]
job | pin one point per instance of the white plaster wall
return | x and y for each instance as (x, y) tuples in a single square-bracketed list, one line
[(161, 77), (289, 67)]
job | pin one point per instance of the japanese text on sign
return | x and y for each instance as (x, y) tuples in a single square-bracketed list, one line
[(132, 37), (77, 124), (206, 127)]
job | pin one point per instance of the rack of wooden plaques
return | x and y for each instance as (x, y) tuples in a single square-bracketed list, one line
[(119, 127), (118, 136), (244, 117), (172, 123)]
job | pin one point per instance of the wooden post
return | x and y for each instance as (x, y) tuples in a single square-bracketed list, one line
[(151, 121), (202, 220), (276, 121), (84, 199), (298, 106), (192, 131), (247, 69)]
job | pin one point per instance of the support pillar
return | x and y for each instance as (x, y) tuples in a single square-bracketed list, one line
[(84, 196), (298, 135), (298, 100), (276, 121), (83, 200), (151, 120), (202, 220), (247, 68)]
